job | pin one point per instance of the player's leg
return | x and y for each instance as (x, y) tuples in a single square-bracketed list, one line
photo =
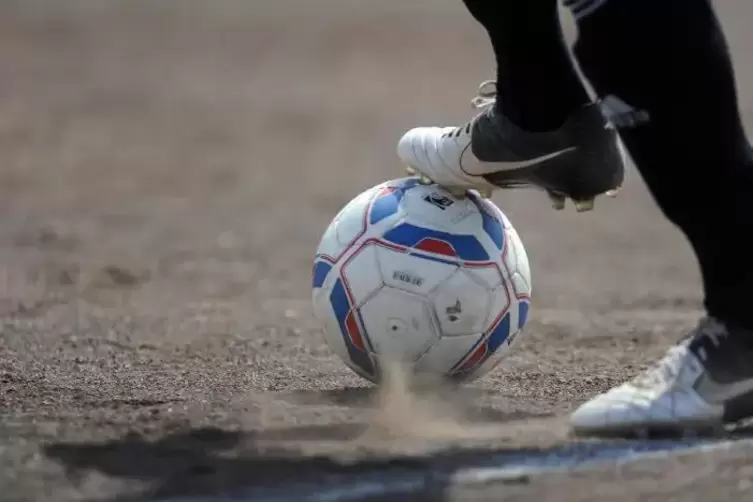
[(668, 59), (538, 87), (541, 131)]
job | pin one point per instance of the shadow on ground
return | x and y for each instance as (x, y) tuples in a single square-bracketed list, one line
[(220, 462), (212, 461), (286, 461)]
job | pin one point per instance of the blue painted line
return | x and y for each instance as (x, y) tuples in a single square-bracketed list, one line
[(498, 467)]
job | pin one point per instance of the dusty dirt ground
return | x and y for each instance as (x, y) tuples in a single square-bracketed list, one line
[(166, 169)]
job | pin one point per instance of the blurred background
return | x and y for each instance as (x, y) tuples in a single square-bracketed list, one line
[(149, 127), (167, 168)]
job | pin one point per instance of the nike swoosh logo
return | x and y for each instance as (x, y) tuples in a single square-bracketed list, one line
[(490, 167), (718, 393)]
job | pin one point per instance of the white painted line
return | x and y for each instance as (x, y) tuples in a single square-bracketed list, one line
[(496, 468)]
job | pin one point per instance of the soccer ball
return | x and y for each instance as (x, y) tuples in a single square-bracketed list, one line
[(409, 273)]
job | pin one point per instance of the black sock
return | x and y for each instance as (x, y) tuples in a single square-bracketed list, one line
[(669, 58), (538, 87)]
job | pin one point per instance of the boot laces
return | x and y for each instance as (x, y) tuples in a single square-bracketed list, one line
[(485, 97), (487, 93)]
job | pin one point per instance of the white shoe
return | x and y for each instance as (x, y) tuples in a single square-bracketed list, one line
[(580, 160), (704, 382)]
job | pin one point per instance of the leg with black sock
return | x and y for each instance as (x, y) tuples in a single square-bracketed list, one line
[(669, 58), (693, 153), (537, 84)]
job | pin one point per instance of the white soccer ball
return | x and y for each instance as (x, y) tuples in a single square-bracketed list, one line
[(409, 273)]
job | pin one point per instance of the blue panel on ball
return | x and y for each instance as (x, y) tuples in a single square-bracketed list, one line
[(499, 335), (350, 329), (523, 307), (434, 258), (321, 270), (385, 205), (387, 202), (466, 247), (492, 226)]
